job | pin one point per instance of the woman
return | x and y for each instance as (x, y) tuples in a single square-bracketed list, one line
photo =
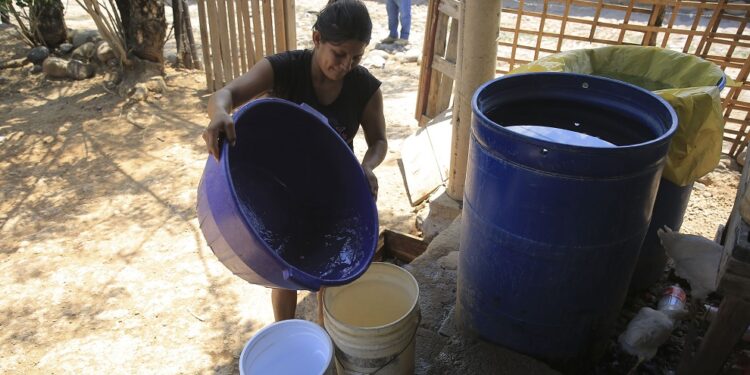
[(329, 79)]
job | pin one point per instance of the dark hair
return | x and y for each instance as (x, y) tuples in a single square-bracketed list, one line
[(343, 20)]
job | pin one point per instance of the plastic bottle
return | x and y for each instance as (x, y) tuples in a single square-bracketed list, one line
[(672, 302)]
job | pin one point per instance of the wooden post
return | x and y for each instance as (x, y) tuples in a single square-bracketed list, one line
[(479, 27), (725, 331)]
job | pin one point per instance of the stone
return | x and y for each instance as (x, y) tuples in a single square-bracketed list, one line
[(725, 162), (65, 48), (36, 69), (14, 63), (172, 58), (448, 327), (377, 52), (373, 62), (411, 56), (79, 37), (84, 52), (449, 261), (104, 53), (140, 93), (156, 84), (37, 55), (79, 70), (741, 158), (55, 67), (442, 211)]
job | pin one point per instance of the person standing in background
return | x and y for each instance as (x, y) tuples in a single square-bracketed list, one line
[(398, 10)]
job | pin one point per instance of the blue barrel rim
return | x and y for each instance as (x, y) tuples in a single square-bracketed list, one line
[(291, 272), (722, 82), (547, 144)]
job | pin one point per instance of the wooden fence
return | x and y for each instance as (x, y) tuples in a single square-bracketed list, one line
[(235, 34), (714, 30)]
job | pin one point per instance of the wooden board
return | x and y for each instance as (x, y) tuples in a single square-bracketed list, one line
[(257, 29), (425, 158), (207, 65), (401, 246)]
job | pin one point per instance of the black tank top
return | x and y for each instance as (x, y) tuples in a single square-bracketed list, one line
[(292, 81)]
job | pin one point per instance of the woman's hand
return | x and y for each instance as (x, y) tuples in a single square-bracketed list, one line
[(373, 180), (221, 126)]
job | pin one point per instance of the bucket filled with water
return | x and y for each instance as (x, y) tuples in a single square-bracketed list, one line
[(288, 206), (289, 347), (373, 321), (561, 179)]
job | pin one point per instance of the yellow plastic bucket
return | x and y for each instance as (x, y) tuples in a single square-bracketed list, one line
[(373, 321)]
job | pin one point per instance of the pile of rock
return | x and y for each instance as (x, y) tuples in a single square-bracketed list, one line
[(79, 58)]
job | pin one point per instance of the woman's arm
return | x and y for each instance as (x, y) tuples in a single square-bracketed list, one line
[(373, 124), (243, 88)]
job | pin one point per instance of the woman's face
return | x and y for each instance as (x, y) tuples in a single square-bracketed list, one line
[(337, 59)]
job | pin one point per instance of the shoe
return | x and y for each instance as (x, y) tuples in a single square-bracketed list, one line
[(388, 40), (402, 42)]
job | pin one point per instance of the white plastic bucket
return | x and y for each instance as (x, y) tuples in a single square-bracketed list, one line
[(373, 321), (288, 347)]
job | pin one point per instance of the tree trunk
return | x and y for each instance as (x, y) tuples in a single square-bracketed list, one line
[(48, 22), (177, 27), (145, 28), (187, 55), (189, 32), (4, 18)]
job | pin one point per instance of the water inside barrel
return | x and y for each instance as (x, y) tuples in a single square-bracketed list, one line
[(557, 135), (615, 127)]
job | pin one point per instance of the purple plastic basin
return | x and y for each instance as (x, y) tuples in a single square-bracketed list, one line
[(288, 206)]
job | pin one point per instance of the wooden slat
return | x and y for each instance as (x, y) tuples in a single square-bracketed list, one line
[(206, 46), (672, 19), (449, 8), (440, 44), (219, 77), (540, 31), (656, 19), (226, 54), (626, 19), (249, 45), (241, 23), (291, 24), (566, 14), (693, 28), (446, 86), (597, 13), (428, 48), (444, 67), (233, 39), (734, 93), (723, 334), (704, 46), (519, 16), (404, 247), (257, 29), (278, 24), (268, 26)]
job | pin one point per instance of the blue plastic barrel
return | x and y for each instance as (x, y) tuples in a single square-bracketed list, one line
[(551, 229), (288, 206), (669, 210)]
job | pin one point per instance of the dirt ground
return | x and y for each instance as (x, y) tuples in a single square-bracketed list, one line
[(102, 264)]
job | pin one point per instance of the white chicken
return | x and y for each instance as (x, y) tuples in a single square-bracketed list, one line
[(696, 259)]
